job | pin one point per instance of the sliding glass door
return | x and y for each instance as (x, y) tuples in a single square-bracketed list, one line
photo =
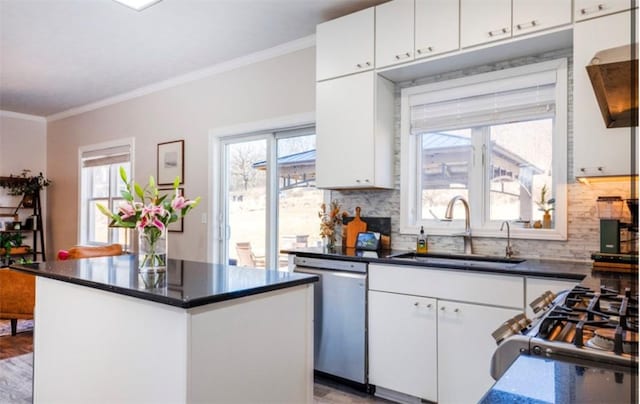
[(269, 200)]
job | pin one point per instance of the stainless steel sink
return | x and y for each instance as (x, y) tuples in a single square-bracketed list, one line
[(460, 260)]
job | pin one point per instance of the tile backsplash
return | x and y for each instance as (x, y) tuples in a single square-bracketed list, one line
[(583, 223)]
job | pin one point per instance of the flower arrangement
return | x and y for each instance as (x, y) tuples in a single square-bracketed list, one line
[(545, 205), (329, 220), (150, 215)]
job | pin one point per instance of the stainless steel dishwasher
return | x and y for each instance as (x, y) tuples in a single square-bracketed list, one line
[(340, 329)]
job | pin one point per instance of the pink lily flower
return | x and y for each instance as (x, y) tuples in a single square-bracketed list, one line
[(126, 210), (179, 202)]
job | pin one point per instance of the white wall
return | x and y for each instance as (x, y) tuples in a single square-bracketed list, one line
[(280, 86), (23, 145)]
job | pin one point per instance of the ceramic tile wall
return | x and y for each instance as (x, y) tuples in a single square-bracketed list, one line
[(583, 223)]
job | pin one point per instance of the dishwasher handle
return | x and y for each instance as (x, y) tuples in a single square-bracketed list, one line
[(339, 274), (326, 264)]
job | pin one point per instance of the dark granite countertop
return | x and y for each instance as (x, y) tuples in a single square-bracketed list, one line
[(543, 268), (540, 380), (189, 284)]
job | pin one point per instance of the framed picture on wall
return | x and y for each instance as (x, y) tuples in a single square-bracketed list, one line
[(177, 226), (170, 162)]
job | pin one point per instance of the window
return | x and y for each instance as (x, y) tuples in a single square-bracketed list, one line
[(268, 196), (100, 183), (496, 139)]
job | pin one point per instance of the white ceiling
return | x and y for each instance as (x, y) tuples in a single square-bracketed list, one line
[(56, 55)]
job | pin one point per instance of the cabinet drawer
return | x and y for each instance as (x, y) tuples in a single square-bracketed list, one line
[(474, 287)]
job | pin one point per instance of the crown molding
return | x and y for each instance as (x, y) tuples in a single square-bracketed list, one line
[(26, 117), (270, 53)]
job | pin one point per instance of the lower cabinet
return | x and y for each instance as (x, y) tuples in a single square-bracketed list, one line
[(402, 344), (465, 348)]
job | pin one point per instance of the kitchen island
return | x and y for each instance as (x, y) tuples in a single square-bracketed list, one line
[(214, 333)]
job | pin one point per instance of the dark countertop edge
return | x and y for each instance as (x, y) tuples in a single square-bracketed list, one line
[(520, 269), (144, 295)]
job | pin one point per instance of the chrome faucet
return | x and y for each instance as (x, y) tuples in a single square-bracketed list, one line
[(508, 250), (448, 215)]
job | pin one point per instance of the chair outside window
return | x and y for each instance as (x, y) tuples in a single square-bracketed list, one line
[(246, 257)]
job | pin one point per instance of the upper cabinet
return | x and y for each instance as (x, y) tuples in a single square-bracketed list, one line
[(345, 45), (484, 21), (394, 32), (597, 150), (536, 15), (585, 9), (354, 126), (436, 27)]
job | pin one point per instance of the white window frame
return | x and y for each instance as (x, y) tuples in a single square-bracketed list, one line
[(410, 223), (82, 206), (218, 231)]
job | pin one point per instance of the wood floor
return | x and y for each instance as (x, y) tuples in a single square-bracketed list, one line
[(325, 391)]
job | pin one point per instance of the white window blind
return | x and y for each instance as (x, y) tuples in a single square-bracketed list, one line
[(106, 156), (494, 102)]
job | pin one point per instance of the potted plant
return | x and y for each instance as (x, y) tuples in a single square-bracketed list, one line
[(25, 185), (545, 205), (10, 241)]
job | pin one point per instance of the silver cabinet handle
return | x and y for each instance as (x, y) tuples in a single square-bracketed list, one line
[(499, 32), (529, 24), (598, 8), (403, 55), (363, 65), (428, 305), (442, 308), (456, 310), (428, 49)]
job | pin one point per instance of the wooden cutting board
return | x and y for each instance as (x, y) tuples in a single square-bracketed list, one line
[(354, 227)]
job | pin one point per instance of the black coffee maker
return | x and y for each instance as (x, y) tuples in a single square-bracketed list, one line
[(618, 239)]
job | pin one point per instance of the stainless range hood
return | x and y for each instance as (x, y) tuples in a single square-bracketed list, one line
[(614, 76)]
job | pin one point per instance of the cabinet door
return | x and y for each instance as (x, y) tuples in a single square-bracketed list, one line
[(535, 287), (345, 45), (436, 30), (597, 150), (402, 344), (484, 21), (536, 15), (465, 348), (345, 130), (585, 9), (394, 32)]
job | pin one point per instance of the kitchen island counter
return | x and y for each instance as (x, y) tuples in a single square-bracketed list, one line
[(214, 334)]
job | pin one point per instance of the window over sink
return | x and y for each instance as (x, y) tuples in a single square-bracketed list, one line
[(497, 139)]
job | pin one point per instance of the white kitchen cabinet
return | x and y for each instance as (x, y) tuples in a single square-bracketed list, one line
[(535, 287), (585, 9), (402, 344), (484, 21), (394, 32), (536, 15), (436, 27), (354, 127), (465, 348), (345, 45), (470, 306), (597, 150)]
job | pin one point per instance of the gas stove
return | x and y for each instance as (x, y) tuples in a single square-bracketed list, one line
[(580, 325)]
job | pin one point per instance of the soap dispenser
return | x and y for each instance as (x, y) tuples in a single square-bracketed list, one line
[(421, 246)]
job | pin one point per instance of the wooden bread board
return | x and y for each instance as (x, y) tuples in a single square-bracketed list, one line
[(353, 228)]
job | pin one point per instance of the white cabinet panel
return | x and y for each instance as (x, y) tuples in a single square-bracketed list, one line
[(345, 45), (500, 290), (597, 150), (394, 32), (465, 348), (484, 21), (536, 15), (585, 9), (402, 344), (436, 27), (354, 126)]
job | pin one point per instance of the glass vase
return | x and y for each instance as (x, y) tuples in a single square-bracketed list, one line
[(152, 257)]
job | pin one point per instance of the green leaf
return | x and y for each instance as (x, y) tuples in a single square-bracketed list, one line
[(152, 182), (123, 175), (127, 195), (176, 182)]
